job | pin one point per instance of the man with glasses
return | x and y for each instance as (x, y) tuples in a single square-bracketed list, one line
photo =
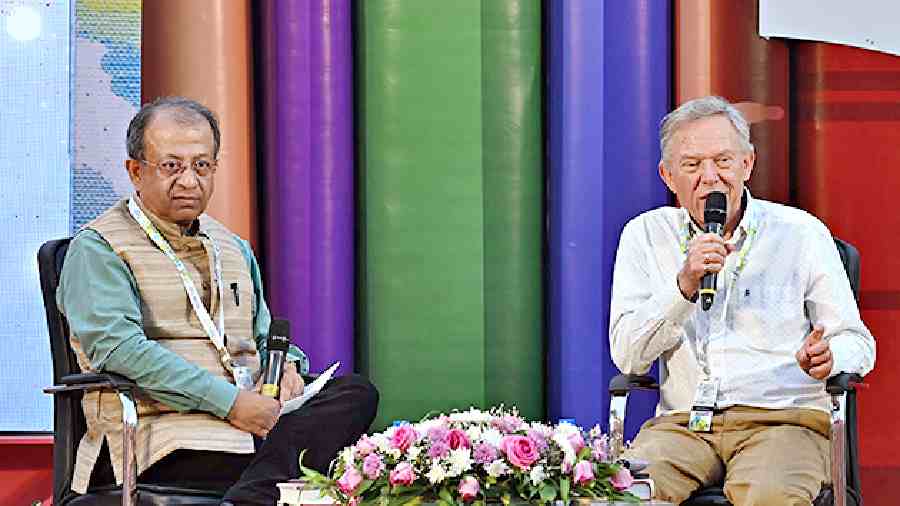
[(161, 293)]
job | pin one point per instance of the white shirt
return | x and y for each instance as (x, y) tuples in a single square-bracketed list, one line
[(791, 278)]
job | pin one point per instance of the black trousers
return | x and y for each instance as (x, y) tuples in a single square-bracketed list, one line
[(331, 420)]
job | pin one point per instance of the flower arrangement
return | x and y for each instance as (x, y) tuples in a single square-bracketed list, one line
[(475, 457)]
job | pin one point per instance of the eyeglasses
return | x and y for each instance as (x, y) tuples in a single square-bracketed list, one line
[(174, 167)]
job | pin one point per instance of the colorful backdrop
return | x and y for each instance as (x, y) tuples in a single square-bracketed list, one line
[(435, 189)]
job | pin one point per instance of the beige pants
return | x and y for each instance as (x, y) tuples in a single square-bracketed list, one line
[(765, 457)]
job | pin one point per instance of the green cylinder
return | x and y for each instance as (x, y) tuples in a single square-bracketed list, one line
[(451, 194)]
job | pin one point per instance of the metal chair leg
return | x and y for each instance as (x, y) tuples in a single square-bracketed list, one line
[(129, 423), (838, 448), (617, 406)]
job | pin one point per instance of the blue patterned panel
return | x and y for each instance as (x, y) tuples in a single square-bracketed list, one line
[(106, 94), (34, 192)]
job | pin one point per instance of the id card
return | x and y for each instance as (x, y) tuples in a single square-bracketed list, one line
[(243, 378), (700, 420), (704, 404)]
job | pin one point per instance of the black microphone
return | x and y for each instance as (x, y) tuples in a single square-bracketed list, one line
[(277, 348), (714, 215)]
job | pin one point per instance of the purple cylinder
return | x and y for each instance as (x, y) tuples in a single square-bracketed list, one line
[(608, 89), (305, 79)]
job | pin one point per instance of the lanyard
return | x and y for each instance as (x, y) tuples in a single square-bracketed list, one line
[(701, 350), (215, 333)]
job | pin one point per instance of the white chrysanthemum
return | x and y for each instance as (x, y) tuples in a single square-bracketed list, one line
[(562, 441), (423, 427), (492, 437), (567, 429), (347, 455), (542, 429), (460, 461), (413, 452), (473, 432), (496, 468), (471, 416), (537, 474), (436, 474), (394, 452), (381, 441)]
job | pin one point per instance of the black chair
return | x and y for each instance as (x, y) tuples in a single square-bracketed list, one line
[(68, 418), (845, 486)]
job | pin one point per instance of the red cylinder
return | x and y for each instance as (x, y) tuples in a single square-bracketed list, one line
[(846, 136)]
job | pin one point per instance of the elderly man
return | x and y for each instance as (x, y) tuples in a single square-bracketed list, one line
[(753, 366), (161, 293)]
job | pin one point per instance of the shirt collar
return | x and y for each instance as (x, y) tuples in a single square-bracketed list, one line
[(749, 221), (171, 231)]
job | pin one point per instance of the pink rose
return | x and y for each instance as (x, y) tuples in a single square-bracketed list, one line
[(507, 423), (469, 488), (403, 474), (599, 449), (364, 446), (458, 439), (520, 451), (583, 472), (622, 479), (373, 466), (350, 480), (577, 441), (404, 437)]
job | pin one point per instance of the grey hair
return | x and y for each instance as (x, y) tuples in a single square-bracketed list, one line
[(186, 112), (699, 108)]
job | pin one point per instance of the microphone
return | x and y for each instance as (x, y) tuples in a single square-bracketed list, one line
[(714, 222), (277, 347)]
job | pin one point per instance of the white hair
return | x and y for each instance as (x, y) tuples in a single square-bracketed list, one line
[(700, 108)]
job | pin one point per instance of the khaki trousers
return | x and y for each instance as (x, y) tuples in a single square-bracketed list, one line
[(765, 456)]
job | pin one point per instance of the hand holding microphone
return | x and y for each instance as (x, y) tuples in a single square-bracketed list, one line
[(276, 349), (706, 253)]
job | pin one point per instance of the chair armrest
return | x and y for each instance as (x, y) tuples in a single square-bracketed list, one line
[(842, 383), (624, 383), (93, 381), (125, 388)]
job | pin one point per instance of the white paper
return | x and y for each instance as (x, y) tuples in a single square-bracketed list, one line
[(869, 24), (309, 390)]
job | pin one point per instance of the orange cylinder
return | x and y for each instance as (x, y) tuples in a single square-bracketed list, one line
[(201, 49), (718, 52)]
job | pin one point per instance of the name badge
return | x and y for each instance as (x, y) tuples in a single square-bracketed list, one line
[(243, 378), (704, 405)]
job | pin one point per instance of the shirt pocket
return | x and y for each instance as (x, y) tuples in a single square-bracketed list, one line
[(769, 312)]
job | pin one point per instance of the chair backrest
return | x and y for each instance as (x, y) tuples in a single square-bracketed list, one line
[(850, 258), (68, 419)]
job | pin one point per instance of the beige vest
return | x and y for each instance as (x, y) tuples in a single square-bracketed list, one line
[(169, 319)]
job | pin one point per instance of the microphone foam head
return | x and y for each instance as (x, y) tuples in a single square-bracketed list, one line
[(279, 335), (716, 208)]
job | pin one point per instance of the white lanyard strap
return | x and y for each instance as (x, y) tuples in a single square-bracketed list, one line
[(214, 333), (701, 350)]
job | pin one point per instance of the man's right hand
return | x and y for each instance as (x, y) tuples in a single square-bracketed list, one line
[(254, 413), (706, 254)]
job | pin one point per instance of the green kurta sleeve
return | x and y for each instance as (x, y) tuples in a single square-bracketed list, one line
[(99, 297), (262, 318)]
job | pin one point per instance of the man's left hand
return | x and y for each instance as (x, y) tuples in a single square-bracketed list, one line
[(814, 357), (291, 383)]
